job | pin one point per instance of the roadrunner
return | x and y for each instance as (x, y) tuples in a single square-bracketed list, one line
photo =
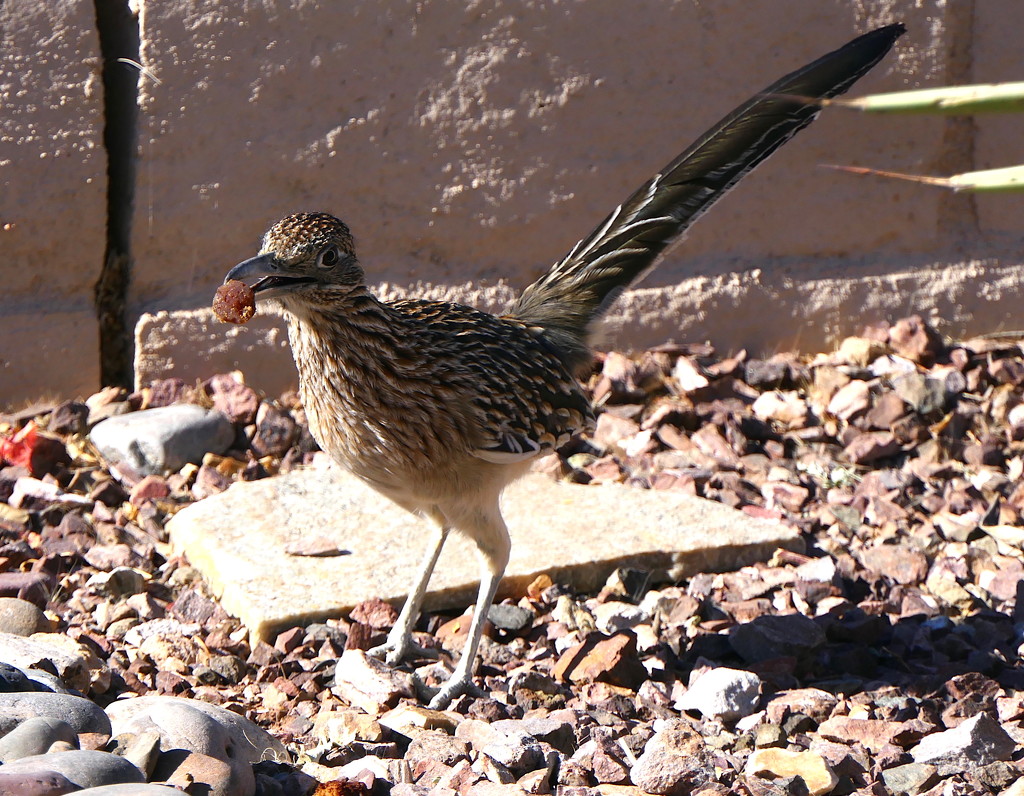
[(439, 406)]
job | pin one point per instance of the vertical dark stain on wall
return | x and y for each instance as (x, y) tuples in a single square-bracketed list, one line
[(119, 42), (958, 212)]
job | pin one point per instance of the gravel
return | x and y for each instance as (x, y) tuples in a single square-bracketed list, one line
[(883, 659)]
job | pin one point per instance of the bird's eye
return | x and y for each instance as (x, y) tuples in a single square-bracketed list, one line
[(329, 257)]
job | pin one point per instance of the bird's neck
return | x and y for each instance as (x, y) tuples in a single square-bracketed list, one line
[(341, 348), (354, 332)]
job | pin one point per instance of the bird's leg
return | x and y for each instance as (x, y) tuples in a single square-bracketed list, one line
[(461, 680), (491, 537), (399, 641)]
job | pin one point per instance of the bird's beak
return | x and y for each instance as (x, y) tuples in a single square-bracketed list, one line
[(264, 276), (253, 270)]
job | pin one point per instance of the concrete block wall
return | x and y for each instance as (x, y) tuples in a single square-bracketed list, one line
[(469, 145), (53, 197)]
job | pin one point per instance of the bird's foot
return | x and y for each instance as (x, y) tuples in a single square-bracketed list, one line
[(394, 651), (455, 686)]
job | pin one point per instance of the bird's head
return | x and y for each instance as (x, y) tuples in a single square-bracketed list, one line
[(306, 259)]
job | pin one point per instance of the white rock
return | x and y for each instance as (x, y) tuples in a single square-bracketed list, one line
[(891, 364), (849, 400), (724, 694), (613, 616), (786, 407), (817, 570), (368, 683), (973, 743), (27, 489), (688, 375), (660, 600), (1015, 416), (342, 727), (139, 634)]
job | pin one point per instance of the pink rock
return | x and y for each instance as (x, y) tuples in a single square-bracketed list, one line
[(152, 487), (232, 397)]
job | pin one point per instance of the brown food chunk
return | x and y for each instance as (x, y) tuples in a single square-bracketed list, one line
[(234, 302)]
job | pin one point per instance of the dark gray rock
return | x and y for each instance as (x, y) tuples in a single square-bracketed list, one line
[(81, 714), (164, 439), (13, 679), (769, 637), (129, 790), (84, 767), (509, 617)]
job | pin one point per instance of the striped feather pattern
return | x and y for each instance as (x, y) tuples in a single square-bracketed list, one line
[(569, 298)]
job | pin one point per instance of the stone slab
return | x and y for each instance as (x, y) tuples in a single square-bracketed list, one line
[(576, 534)]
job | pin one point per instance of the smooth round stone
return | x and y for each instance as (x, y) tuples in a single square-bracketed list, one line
[(34, 737), (80, 713), (45, 784), (127, 790), (175, 717), (21, 618), (166, 438), (84, 767), (203, 728)]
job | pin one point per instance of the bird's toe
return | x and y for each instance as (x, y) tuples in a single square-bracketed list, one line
[(394, 652), (455, 687)]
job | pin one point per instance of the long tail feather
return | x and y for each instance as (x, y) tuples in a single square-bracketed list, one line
[(572, 296)]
